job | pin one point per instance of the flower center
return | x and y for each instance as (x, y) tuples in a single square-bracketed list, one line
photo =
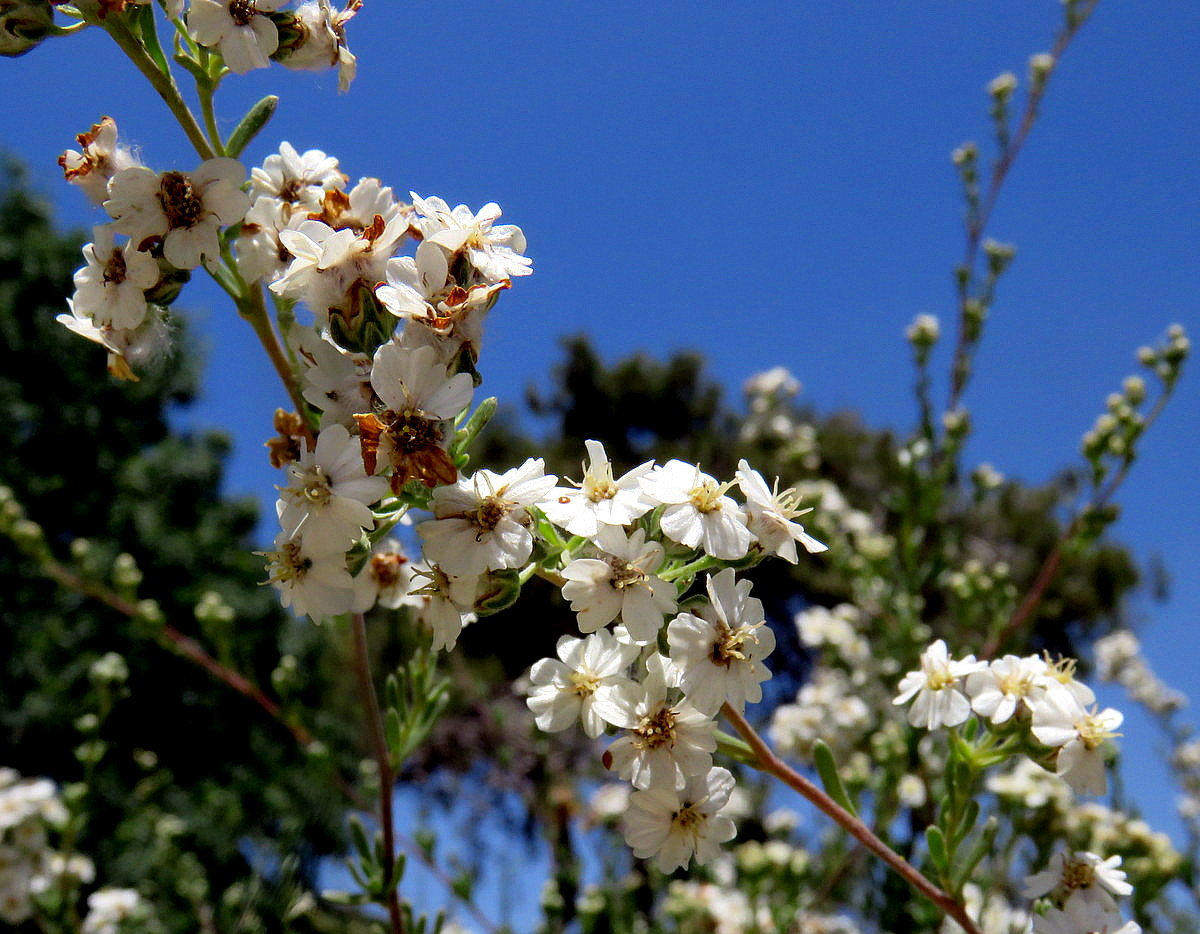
[(114, 269), (386, 568), (730, 644), (707, 496), (655, 730), (241, 11), (689, 819), (585, 683), (1093, 730), (314, 486), (410, 431), (1078, 875), (490, 512), (625, 574), (286, 564), (179, 201)]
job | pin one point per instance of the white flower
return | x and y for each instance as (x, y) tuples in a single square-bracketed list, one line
[(328, 494), (335, 381), (101, 157), (718, 650), (386, 578), (494, 252), (937, 687), (665, 741), (413, 282), (110, 288), (145, 342), (313, 582), (600, 500), (297, 179), (769, 515), (329, 265), (621, 581), (674, 826), (324, 40), (448, 602), (107, 908), (1083, 916), (996, 691), (411, 433), (186, 210), (481, 521), (1060, 720), (240, 29), (698, 511), (1080, 872), (581, 685)]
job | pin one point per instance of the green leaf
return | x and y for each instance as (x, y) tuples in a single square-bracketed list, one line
[(980, 848), (251, 125), (827, 769), (144, 18), (937, 849)]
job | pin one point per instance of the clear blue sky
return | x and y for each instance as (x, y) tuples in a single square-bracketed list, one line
[(768, 183)]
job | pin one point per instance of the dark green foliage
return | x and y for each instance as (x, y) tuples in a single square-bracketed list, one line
[(93, 458)]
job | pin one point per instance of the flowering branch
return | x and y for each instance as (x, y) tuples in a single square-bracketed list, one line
[(773, 765), (1078, 13)]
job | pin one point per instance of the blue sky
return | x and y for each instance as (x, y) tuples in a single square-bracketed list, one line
[(767, 183)]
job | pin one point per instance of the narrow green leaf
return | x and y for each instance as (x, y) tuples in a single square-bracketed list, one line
[(979, 849), (827, 769), (251, 125), (937, 849), (358, 835), (144, 18)]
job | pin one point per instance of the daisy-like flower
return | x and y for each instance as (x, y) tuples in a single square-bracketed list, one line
[(1060, 720), (240, 29), (495, 252), (480, 522), (108, 908), (149, 340), (185, 210), (698, 512), (410, 432), (328, 493), (260, 255), (938, 688), (110, 289), (599, 500), (718, 651), (1083, 916), (997, 690), (312, 582), (1062, 672), (321, 40), (413, 282), (665, 741), (1098, 879), (447, 603), (357, 208), (620, 581), (386, 578), (335, 381), (769, 515), (98, 159), (673, 826), (330, 265), (297, 179), (581, 685)]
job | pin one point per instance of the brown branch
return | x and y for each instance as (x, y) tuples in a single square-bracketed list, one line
[(186, 646), (773, 765), (383, 759), (1050, 566)]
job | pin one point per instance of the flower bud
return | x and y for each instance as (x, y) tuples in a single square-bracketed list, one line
[(924, 331), (109, 668), (1002, 86), (1135, 389)]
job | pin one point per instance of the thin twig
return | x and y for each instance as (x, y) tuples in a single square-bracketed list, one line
[(978, 223), (254, 310), (1050, 566), (379, 747), (773, 765), (184, 645)]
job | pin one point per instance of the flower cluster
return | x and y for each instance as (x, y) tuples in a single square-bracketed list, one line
[(637, 539), (29, 810), (1080, 890), (1059, 710)]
